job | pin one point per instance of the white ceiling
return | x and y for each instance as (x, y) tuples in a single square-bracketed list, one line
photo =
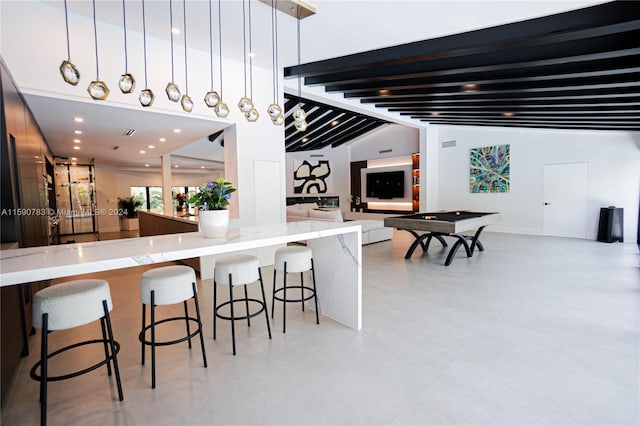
[(338, 28)]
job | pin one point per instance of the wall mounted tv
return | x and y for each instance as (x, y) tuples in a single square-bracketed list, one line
[(385, 185)]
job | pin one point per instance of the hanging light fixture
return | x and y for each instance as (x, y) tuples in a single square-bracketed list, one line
[(173, 93), (245, 104), (126, 83), (222, 109), (146, 96), (69, 72), (212, 98), (274, 110), (97, 89), (186, 102), (299, 116)]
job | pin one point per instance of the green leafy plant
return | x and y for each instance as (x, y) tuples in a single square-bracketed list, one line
[(213, 195), (127, 206)]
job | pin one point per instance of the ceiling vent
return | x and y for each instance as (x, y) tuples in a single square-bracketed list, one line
[(115, 148), (129, 132), (448, 144)]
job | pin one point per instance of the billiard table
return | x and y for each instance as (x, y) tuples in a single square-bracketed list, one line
[(444, 224)]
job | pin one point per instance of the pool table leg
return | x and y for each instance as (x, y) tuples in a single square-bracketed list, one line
[(461, 242), (475, 241), (417, 242)]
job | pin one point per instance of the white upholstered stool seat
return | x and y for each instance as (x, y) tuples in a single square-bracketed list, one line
[(168, 285), (238, 270), (293, 259), (68, 305)]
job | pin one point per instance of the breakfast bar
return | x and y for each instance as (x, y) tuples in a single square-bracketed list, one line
[(336, 247)]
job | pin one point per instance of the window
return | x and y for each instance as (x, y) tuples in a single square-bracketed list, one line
[(151, 197)]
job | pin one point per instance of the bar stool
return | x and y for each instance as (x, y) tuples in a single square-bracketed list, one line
[(238, 270), (293, 259), (168, 285), (68, 305)]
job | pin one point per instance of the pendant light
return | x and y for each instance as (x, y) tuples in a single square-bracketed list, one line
[(212, 98), (146, 96), (222, 109), (186, 102), (97, 89), (299, 116), (126, 83), (274, 110), (173, 93), (245, 104), (69, 72)]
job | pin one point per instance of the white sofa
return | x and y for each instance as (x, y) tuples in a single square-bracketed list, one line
[(373, 231)]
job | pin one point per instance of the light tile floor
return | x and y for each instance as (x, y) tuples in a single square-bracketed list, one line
[(533, 331)]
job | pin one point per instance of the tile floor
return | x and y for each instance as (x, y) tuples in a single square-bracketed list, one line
[(533, 331)]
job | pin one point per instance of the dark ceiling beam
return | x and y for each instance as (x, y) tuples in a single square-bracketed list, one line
[(544, 126), (348, 129), (318, 142), (360, 132), (479, 40), (315, 127)]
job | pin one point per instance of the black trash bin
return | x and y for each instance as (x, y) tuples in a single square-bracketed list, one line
[(610, 228)]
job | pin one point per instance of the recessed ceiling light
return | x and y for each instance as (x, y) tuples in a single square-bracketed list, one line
[(470, 87), (146, 165), (175, 30), (335, 122), (435, 113), (76, 147), (175, 167), (163, 140), (77, 132), (202, 167), (78, 119), (383, 92), (74, 159), (305, 140), (177, 130), (507, 114), (77, 141), (151, 146), (143, 151)]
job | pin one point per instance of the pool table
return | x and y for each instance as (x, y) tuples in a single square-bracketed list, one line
[(444, 224)]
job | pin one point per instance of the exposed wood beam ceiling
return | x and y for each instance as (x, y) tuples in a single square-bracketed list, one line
[(327, 125), (574, 70)]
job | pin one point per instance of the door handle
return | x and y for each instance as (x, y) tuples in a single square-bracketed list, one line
[(547, 204)]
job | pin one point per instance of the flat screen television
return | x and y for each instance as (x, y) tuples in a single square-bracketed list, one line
[(385, 185)]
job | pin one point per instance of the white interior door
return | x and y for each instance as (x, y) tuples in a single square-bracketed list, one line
[(565, 200)]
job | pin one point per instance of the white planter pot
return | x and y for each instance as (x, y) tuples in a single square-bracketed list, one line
[(213, 223)]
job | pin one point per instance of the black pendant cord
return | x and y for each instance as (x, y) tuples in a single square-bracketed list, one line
[(250, 57), (144, 42), (95, 37), (220, 44), (211, 45), (273, 51), (277, 80), (184, 24), (298, 35), (171, 32), (124, 24), (244, 47), (66, 23)]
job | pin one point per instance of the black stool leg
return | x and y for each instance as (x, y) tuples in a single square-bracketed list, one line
[(284, 297), (144, 312), (264, 300), (43, 370), (106, 346), (315, 294), (215, 307), (273, 293), (233, 317), (107, 318), (302, 290), (246, 304), (153, 339), (186, 320), (195, 299)]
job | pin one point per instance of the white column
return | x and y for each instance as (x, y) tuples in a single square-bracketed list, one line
[(167, 201)]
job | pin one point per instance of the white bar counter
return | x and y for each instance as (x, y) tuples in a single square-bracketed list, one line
[(337, 252)]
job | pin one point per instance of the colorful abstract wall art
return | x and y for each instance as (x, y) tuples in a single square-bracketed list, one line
[(490, 169), (309, 178)]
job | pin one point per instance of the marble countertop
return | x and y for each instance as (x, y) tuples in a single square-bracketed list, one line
[(48, 262)]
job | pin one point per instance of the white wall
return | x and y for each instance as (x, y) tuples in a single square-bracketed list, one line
[(614, 173), (394, 139)]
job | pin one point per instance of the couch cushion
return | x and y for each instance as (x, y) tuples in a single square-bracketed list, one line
[(294, 210), (333, 215)]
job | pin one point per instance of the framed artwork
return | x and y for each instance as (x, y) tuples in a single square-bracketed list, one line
[(312, 178), (490, 169)]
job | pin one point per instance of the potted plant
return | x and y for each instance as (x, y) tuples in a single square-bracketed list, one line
[(211, 199), (127, 211)]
